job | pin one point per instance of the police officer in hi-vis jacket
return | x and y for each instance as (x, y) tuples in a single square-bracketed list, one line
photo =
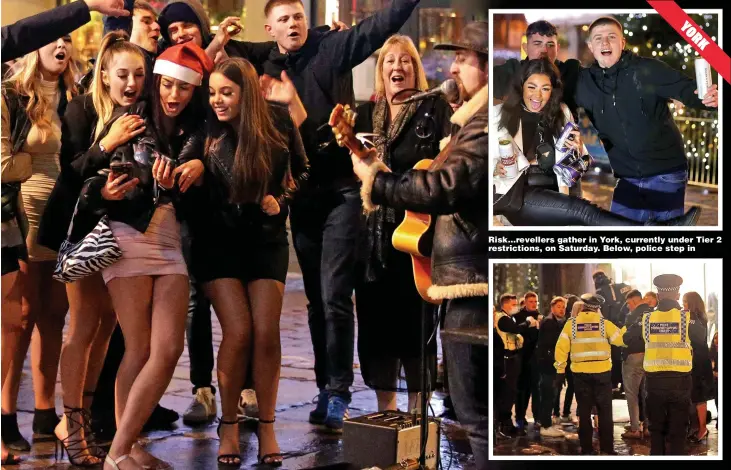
[(587, 338), (669, 337), (511, 333)]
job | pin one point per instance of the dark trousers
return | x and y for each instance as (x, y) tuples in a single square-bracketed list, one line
[(510, 390), (568, 396), (199, 334), (103, 403), (546, 207), (548, 395), (668, 400), (527, 388), (326, 230), (594, 390), (616, 366), (469, 365)]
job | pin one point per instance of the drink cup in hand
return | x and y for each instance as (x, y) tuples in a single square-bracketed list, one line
[(508, 159)]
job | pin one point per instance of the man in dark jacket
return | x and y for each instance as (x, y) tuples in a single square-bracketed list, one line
[(633, 373), (550, 329), (542, 41), (27, 35), (326, 217), (614, 311), (626, 98), (457, 195), (529, 376)]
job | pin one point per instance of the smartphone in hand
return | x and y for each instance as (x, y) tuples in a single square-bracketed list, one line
[(121, 168)]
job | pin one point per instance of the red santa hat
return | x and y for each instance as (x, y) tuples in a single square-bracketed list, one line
[(186, 62)]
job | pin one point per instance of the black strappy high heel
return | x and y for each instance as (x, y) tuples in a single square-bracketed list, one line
[(223, 457), (79, 455), (268, 458)]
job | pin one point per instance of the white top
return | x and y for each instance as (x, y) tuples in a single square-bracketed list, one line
[(503, 184)]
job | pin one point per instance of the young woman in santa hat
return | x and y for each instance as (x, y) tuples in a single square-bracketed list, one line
[(254, 161)]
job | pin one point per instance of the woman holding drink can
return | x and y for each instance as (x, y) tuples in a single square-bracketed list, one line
[(541, 156)]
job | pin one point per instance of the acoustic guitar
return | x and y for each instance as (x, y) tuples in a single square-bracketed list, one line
[(415, 234)]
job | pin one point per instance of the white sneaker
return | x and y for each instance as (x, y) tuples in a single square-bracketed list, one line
[(202, 408), (553, 431), (248, 405)]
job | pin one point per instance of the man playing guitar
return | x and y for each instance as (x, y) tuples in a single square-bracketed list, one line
[(456, 192)]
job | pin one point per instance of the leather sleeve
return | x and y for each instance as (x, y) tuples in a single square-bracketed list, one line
[(15, 167), (27, 35), (461, 179)]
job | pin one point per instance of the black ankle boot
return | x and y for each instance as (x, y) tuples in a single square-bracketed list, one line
[(690, 218), (44, 424), (11, 436)]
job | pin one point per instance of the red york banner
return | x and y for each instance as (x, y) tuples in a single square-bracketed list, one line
[(696, 37)]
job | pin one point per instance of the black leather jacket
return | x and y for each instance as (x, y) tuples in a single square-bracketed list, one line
[(19, 128), (210, 211), (138, 206), (457, 193)]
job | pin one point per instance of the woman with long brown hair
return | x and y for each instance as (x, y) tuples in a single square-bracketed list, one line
[(254, 157), (34, 98), (702, 371)]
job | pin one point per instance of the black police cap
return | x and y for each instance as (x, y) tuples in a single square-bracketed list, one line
[(592, 300), (668, 282)]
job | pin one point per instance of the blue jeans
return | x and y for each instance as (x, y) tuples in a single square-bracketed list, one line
[(660, 197), (327, 226), (468, 367)]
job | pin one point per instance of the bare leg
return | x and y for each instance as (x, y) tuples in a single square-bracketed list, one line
[(231, 305), (386, 400), (165, 337), (266, 307), (11, 384), (12, 325), (50, 302), (701, 409), (89, 302)]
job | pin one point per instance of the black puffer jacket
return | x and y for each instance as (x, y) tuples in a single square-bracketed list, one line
[(628, 104), (457, 194)]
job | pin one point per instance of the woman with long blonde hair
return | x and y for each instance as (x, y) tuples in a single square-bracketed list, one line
[(119, 77), (34, 99), (388, 331), (702, 371)]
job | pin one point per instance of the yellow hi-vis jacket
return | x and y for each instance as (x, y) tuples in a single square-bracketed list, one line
[(511, 341), (587, 337), (667, 345)]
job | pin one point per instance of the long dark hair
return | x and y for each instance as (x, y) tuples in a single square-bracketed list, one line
[(696, 307), (552, 116), (257, 134)]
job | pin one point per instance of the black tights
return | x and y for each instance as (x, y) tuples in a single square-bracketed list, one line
[(546, 207)]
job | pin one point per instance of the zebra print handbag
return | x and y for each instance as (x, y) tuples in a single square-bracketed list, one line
[(96, 251)]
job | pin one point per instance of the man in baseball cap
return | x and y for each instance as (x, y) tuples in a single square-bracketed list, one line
[(457, 194), (470, 66)]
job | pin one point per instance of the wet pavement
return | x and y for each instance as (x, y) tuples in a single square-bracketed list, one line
[(304, 445), (599, 188), (534, 444)]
